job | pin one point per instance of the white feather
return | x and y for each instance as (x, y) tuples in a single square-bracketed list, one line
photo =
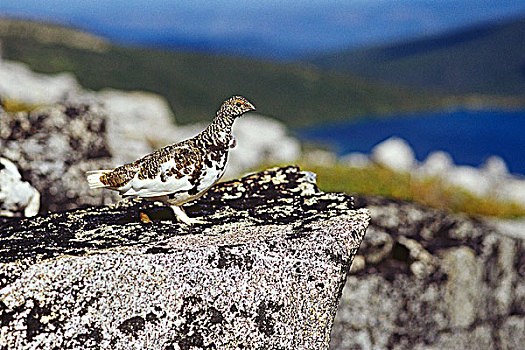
[(156, 187), (93, 178), (211, 176), (167, 166)]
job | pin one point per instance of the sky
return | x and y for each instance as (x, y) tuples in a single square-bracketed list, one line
[(278, 29)]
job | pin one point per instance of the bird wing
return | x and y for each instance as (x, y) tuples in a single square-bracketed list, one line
[(160, 174)]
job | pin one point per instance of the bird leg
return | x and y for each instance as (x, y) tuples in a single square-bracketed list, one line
[(181, 216)]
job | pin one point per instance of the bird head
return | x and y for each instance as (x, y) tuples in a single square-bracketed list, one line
[(235, 106)]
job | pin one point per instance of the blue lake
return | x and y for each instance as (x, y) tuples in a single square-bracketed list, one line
[(470, 136)]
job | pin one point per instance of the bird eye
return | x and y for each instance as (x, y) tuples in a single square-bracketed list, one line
[(239, 103)]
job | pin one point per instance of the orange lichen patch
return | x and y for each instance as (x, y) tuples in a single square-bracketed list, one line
[(144, 218)]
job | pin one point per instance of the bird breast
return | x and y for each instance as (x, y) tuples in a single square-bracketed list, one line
[(213, 171), (210, 175)]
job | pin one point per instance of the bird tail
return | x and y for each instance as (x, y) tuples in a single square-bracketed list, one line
[(93, 178)]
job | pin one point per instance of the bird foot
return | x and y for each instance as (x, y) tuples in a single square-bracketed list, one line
[(181, 216), (191, 221)]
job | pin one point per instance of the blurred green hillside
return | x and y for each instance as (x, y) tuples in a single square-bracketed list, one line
[(431, 192), (487, 59), (195, 84)]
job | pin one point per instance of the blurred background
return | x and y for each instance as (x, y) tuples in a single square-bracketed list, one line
[(410, 100), (446, 78)]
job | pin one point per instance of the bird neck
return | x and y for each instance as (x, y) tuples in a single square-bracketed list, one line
[(220, 130)]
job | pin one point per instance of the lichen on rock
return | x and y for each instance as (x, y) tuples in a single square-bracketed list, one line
[(266, 273), (430, 279), (53, 147)]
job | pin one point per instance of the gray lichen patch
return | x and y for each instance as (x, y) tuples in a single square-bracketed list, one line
[(266, 273)]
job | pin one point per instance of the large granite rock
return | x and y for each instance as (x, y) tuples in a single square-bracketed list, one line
[(428, 279), (266, 273), (53, 147)]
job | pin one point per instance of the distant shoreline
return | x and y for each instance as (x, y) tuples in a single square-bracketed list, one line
[(469, 136)]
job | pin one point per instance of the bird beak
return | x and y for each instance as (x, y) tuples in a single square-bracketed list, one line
[(250, 107)]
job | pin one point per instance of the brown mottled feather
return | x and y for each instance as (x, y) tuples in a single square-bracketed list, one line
[(184, 154)]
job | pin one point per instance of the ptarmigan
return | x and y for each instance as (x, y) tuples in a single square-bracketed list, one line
[(181, 172)]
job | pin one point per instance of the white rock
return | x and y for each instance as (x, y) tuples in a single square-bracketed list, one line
[(138, 122), (320, 157), (495, 166), (394, 153), (260, 140), (189, 130), (471, 179), (510, 227), (16, 195), (355, 160), (463, 295), (436, 164), (18, 82), (513, 189)]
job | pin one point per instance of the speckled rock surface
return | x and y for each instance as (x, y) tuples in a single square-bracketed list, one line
[(428, 279), (53, 147), (266, 273)]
